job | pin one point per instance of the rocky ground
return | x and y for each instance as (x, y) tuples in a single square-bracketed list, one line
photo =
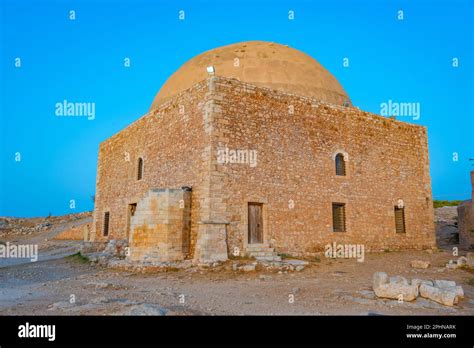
[(71, 285), (43, 232), (446, 227)]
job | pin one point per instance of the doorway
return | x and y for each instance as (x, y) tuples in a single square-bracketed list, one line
[(255, 223), (132, 208)]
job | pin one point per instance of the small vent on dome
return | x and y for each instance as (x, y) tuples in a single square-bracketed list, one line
[(211, 70)]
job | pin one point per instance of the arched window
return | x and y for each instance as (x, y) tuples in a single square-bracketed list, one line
[(340, 164), (400, 219), (140, 169)]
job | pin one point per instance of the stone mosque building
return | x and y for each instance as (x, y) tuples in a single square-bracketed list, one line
[(255, 149)]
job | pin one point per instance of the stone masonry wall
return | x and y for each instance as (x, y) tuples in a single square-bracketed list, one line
[(173, 142), (296, 140), (160, 227), (212, 233)]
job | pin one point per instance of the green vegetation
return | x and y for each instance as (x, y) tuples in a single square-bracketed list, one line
[(471, 281), (79, 258), (439, 204)]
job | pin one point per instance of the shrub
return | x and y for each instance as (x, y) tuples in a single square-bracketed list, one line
[(439, 204), (79, 258)]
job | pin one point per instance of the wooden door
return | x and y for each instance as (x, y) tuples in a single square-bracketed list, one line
[(255, 223)]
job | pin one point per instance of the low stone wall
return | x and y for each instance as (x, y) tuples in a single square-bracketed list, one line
[(160, 227), (294, 141), (75, 233)]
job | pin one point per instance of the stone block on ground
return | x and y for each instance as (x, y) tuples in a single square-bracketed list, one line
[(462, 261), (452, 264), (451, 285), (379, 279), (444, 283), (418, 282), (446, 296), (399, 280), (394, 288), (145, 309), (420, 264), (470, 259), (248, 268)]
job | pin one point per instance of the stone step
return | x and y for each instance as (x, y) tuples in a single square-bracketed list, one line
[(268, 258), (261, 253), (267, 250), (259, 247)]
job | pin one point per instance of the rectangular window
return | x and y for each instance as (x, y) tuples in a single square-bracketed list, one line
[(106, 223), (339, 217), (399, 220)]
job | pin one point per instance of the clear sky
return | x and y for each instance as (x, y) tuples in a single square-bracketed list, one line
[(82, 60)]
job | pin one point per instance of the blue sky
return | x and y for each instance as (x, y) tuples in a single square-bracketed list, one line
[(81, 60)]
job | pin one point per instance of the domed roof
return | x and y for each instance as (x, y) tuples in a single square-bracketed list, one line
[(260, 63)]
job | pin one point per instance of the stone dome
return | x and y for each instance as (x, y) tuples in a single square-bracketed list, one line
[(260, 63)]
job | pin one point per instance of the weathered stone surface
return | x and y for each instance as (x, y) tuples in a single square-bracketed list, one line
[(418, 282), (399, 280), (426, 303), (61, 305), (470, 259), (211, 244), (446, 296), (145, 309), (394, 291), (295, 262), (459, 291), (451, 285), (462, 261), (394, 288), (248, 268), (179, 142), (444, 283), (160, 227), (445, 292), (420, 264), (452, 264), (379, 278), (116, 247)]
